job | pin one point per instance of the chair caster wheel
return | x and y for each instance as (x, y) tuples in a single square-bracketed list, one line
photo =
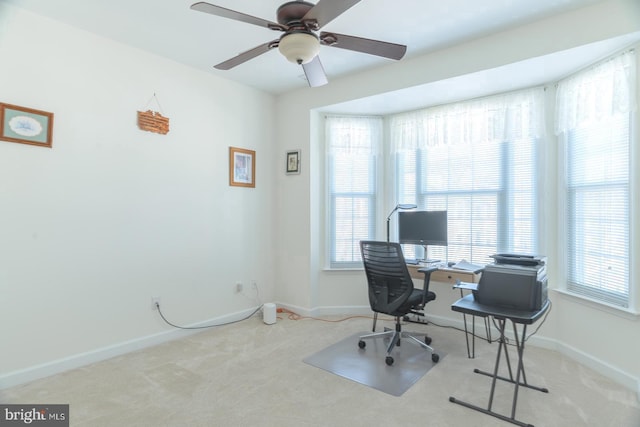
[(435, 358), (389, 360), (427, 340), (362, 344)]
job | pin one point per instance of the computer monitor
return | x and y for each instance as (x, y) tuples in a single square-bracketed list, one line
[(423, 228)]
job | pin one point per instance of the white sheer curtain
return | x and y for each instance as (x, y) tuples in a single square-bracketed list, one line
[(353, 135), (598, 92), (491, 119)]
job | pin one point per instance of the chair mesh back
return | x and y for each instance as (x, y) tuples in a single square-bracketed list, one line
[(390, 284)]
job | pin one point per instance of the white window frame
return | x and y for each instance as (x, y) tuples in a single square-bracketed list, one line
[(567, 122), (372, 197)]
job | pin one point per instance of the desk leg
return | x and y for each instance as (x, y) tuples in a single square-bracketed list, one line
[(466, 335), (473, 337), (520, 367), (487, 326), (521, 371), (501, 344), (520, 340), (471, 352)]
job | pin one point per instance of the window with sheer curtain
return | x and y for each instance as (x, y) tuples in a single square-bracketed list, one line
[(593, 120), (352, 155), (478, 160)]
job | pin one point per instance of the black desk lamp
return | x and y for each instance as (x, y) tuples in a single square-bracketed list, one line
[(402, 206)]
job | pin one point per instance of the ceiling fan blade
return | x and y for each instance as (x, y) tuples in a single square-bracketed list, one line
[(326, 11), (359, 44), (245, 56), (232, 14), (314, 71)]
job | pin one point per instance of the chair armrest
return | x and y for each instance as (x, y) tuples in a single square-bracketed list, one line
[(427, 278)]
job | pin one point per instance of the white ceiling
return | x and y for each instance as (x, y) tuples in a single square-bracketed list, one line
[(171, 29)]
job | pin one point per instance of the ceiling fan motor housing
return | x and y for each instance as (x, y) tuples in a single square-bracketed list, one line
[(292, 11)]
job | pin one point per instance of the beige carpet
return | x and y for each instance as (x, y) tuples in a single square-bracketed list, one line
[(252, 374)]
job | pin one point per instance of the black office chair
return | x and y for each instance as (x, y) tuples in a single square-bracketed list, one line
[(391, 292)]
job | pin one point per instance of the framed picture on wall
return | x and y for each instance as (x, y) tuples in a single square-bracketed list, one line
[(293, 162), (25, 125), (242, 167)]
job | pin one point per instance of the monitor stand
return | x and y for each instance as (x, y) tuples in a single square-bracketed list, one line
[(426, 259)]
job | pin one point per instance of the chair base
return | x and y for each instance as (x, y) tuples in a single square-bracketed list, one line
[(415, 316), (396, 336)]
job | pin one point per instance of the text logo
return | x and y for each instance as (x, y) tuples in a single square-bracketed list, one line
[(34, 415)]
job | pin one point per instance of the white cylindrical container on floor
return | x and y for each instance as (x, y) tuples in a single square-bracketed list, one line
[(269, 313)]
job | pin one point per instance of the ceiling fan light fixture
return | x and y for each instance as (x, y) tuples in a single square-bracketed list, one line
[(299, 48)]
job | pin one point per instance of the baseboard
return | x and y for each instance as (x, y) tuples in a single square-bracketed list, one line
[(44, 370)]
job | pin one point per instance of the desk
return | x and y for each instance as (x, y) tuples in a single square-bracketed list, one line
[(446, 275), (468, 305), (454, 277)]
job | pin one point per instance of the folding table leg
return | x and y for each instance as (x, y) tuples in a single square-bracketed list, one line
[(520, 373)]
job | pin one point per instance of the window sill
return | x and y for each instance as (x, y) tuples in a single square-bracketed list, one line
[(625, 313)]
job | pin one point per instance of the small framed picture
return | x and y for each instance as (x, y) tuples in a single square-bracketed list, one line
[(242, 167), (293, 162), (25, 125)]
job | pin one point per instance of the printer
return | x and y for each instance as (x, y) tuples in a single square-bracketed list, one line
[(519, 259), (514, 281)]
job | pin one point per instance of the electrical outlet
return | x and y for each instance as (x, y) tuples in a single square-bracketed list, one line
[(155, 302), (239, 286)]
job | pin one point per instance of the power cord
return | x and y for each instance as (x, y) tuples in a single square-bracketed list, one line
[(257, 296), (291, 315), (260, 305), (544, 319), (205, 326)]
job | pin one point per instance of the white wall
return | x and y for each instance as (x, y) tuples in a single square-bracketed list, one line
[(574, 327), (91, 229)]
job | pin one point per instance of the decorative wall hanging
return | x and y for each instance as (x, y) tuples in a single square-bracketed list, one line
[(153, 121), (26, 125), (242, 167), (293, 162)]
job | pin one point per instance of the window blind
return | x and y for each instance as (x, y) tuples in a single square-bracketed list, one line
[(352, 148), (477, 160), (593, 120)]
